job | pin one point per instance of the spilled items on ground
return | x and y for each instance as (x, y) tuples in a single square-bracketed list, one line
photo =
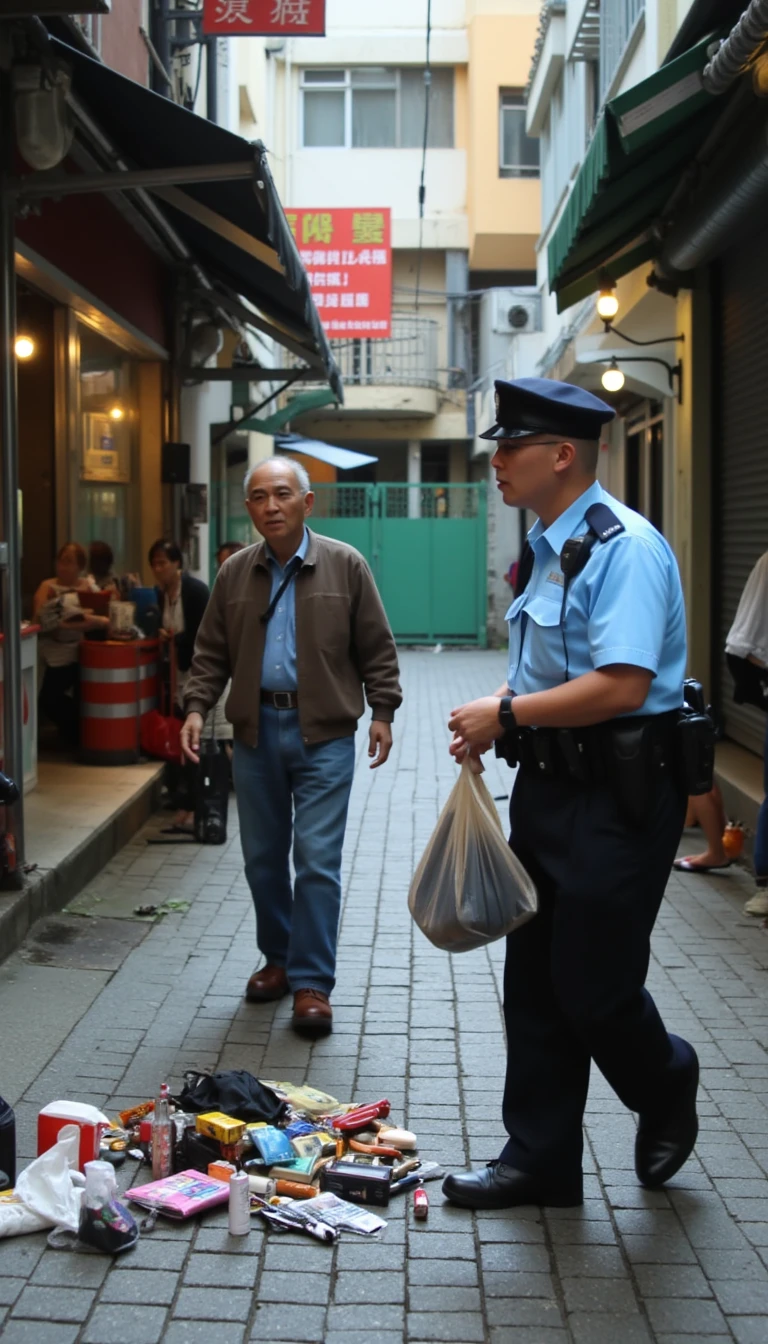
[(289, 1155)]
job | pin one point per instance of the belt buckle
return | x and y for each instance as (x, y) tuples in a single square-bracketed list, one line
[(282, 699)]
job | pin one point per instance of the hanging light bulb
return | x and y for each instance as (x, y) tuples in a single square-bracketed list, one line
[(613, 378), (607, 303), (116, 413), (24, 347)]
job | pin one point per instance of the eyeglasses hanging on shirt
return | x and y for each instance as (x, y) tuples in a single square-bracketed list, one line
[(295, 566)]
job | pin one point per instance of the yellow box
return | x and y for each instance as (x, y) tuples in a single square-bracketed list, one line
[(216, 1125)]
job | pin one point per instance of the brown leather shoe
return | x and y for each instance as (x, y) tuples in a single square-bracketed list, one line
[(269, 983), (312, 1011)]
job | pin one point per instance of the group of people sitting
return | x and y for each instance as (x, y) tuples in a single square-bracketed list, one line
[(61, 609)]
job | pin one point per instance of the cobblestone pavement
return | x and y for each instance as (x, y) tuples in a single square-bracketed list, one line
[(424, 1030)]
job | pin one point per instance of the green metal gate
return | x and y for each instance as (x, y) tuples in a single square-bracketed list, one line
[(426, 545)]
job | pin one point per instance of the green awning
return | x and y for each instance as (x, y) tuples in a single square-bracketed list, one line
[(642, 142), (303, 402)]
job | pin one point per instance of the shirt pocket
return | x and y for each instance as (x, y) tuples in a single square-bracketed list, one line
[(543, 658)]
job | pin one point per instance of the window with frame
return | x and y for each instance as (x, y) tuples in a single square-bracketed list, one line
[(376, 107), (518, 152), (90, 27)]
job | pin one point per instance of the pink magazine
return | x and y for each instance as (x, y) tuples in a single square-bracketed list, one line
[(182, 1195)]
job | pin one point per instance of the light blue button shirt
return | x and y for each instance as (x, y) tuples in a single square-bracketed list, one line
[(278, 668), (626, 606)]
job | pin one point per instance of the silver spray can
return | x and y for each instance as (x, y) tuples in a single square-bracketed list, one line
[(239, 1205)]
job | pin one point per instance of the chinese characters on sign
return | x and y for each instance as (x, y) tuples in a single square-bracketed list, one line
[(264, 18), (348, 258)]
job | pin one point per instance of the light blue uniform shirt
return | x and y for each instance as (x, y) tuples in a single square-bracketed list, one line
[(626, 606), (278, 667)]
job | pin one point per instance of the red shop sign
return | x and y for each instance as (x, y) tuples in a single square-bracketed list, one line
[(264, 18), (347, 255)]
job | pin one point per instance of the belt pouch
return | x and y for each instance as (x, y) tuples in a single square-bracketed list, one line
[(695, 754), (632, 770)]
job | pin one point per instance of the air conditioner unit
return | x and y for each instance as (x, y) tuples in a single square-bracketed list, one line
[(515, 313)]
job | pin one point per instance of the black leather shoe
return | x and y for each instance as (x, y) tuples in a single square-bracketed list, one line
[(664, 1142), (498, 1186)]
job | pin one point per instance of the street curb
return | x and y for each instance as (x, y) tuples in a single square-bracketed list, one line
[(48, 890)]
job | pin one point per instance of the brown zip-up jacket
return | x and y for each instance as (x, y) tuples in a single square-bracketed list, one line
[(343, 643)]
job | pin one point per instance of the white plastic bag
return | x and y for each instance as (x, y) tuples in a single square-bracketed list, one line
[(469, 888), (48, 1192)]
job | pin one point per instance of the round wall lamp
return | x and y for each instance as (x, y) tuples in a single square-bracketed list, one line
[(24, 347), (607, 303), (613, 378), (116, 413)]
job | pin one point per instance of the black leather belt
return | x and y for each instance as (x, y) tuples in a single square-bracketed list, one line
[(280, 699)]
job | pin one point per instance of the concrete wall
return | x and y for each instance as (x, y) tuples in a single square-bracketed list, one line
[(504, 218)]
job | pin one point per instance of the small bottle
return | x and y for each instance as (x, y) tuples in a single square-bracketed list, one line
[(162, 1131), (239, 1205)]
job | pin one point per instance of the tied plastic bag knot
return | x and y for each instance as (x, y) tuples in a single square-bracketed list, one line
[(470, 888)]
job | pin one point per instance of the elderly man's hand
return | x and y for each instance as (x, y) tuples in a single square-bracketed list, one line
[(190, 737), (475, 724), (379, 741)]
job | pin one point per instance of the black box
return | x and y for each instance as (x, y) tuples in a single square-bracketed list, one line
[(360, 1184)]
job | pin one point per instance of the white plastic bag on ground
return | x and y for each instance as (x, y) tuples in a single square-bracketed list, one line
[(469, 888), (48, 1192)]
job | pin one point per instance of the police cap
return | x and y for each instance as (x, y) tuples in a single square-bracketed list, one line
[(541, 405)]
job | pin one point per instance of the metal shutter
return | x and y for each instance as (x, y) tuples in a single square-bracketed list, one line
[(743, 483)]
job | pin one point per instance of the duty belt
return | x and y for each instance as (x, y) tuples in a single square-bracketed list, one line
[(280, 699), (584, 755)]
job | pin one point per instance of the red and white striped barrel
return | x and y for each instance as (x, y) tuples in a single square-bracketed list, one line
[(119, 681)]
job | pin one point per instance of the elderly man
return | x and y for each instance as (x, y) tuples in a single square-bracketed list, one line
[(298, 624)]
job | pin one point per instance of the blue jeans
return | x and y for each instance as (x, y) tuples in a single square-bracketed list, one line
[(761, 831), (287, 790)]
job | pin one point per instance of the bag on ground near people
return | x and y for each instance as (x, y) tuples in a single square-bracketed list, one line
[(750, 682), (211, 796), (469, 888), (235, 1092), (161, 731)]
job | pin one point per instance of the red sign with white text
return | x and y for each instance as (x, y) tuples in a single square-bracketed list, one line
[(264, 18), (347, 255)]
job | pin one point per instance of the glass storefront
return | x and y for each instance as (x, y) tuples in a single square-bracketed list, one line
[(106, 491)]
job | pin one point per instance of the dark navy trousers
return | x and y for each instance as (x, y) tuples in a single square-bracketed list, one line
[(575, 974)]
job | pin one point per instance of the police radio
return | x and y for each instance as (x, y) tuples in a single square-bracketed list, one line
[(696, 741)]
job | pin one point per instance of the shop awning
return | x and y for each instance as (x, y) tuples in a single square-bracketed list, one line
[(231, 219), (642, 142), (342, 458)]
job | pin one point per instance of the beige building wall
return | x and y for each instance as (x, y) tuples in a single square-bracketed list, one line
[(504, 213)]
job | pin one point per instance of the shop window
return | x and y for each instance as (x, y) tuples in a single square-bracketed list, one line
[(518, 152), (376, 107), (106, 503)]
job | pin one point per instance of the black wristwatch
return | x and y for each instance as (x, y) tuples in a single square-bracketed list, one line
[(507, 714)]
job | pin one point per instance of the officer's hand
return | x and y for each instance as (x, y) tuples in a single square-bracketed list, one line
[(379, 740), (190, 737), (477, 722)]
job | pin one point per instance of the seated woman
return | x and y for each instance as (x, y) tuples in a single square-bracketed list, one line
[(101, 567), (63, 620)]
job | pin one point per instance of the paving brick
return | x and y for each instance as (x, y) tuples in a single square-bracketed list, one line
[(73, 1271), (221, 1271), (145, 1286), (289, 1322), (672, 1281), (199, 1332), (9, 1290), (462, 1273), (54, 1304), (38, 1332), (313, 1289), (140, 1325), (451, 1326), (590, 1327), (685, 1316), (592, 1295), (352, 1286), (213, 1304), (378, 1316)]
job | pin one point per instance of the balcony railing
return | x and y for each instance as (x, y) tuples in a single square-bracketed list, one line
[(618, 21), (408, 358)]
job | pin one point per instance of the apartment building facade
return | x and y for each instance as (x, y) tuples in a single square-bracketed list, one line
[(345, 119)]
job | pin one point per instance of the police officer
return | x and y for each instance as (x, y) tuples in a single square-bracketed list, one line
[(595, 684)]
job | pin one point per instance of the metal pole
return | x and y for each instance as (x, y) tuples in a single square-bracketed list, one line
[(212, 78), (13, 752), (161, 41)]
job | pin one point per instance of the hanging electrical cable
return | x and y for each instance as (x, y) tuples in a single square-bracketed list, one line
[(422, 185)]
